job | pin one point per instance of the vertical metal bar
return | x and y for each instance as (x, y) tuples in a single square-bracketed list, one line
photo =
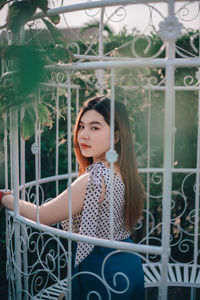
[(197, 192), (15, 175), (22, 160), (8, 247), (167, 179), (11, 158), (5, 143), (22, 179), (101, 52), (168, 153), (69, 146), (148, 166), (112, 116), (39, 139), (77, 111), (101, 28), (173, 132), (57, 165), (22, 143), (36, 153), (57, 137), (197, 199), (15, 159), (69, 274)]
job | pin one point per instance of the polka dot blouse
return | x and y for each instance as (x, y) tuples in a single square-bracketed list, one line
[(94, 220)]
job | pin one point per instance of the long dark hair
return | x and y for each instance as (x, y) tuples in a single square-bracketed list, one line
[(134, 190)]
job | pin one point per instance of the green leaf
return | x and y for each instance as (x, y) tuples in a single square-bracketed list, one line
[(55, 19), (44, 115), (42, 4), (55, 33), (19, 13), (28, 124), (29, 63)]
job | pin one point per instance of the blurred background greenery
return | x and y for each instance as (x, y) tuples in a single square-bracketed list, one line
[(19, 90)]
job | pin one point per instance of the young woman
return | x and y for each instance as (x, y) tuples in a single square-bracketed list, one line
[(99, 271)]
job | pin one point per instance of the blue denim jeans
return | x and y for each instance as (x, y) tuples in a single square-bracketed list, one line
[(122, 272)]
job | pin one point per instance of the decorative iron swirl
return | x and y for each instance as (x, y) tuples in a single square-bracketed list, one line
[(95, 276), (146, 49), (195, 188), (119, 13), (191, 216), (184, 245), (190, 81), (174, 203), (121, 274), (92, 12), (140, 222), (184, 183), (38, 282), (153, 81), (46, 261), (150, 80), (156, 179), (184, 12), (74, 48)]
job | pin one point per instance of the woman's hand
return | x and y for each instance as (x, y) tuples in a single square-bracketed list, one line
[(2, 194)]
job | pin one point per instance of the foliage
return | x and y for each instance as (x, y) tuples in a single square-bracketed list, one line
[(28, 65), (20, 12), (95, 24)]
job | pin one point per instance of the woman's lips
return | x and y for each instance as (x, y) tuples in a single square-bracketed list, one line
[(84, 146)]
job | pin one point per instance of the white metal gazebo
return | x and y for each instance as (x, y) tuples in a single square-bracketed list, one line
[(39, 256)]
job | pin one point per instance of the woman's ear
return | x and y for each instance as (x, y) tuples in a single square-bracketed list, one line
[(116, 136)]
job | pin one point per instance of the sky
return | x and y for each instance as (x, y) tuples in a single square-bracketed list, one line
[(137, 16)]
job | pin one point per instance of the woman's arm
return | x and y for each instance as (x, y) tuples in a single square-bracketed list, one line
[(57, 209)]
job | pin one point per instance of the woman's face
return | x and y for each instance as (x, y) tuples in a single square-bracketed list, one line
[(93, 135)]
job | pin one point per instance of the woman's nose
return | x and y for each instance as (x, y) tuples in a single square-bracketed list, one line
[(85, 134)]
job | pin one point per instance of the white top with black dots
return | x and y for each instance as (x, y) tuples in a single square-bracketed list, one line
[(94, 220)]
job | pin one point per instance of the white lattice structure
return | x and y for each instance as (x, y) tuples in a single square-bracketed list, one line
[(39, 256)]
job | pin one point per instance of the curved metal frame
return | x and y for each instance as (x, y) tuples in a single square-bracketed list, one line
[(19, 229)]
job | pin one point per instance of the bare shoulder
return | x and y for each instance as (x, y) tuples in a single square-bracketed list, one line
[(81, 180), (80, 184)]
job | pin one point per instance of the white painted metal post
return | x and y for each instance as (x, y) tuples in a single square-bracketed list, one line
[(24, 235), (5, 143), (168, 156), (57, 137), (69, 152), (167, 181), (11, 157), (112, 115), (35, 151), (77, 111), (101, 72), (15, 176), (148, 165), (197, 200)]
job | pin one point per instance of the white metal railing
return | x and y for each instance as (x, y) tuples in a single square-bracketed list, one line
[(164, 272)]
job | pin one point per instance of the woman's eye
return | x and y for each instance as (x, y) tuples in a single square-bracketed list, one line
[(81, 127), (94, 128)]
